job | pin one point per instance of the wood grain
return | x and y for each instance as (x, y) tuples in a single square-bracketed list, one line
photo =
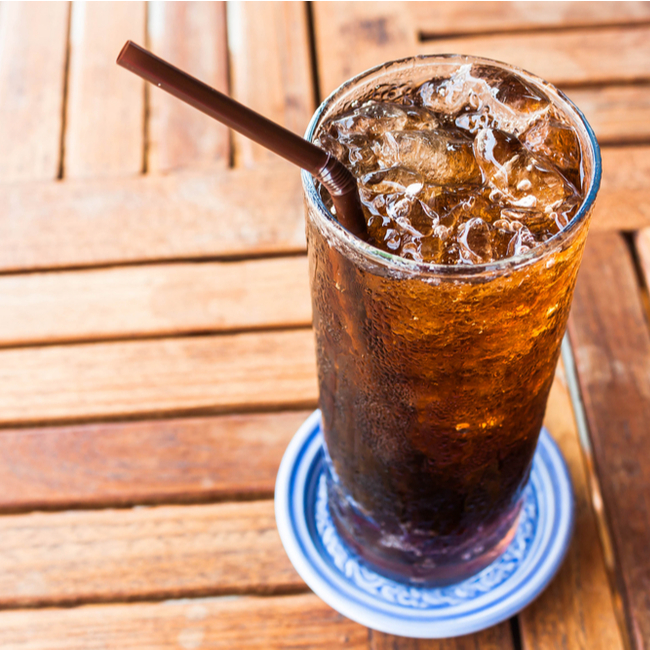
[(85, 223), (106, 110), (577, 609), (351, 37), (192, 36), (498, 637), (301, 622), (612, 348), (354, 36), (270, 68), (192, 459), (180, 375), (158, 552), (33, 38), (154, 300), (199, 215), (596, 55), (442, 18), (618, 114), (622, 202)]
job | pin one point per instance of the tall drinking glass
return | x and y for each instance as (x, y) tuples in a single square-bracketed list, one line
[(433, 378)]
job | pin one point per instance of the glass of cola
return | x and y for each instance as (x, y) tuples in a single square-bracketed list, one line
[(438, 336)]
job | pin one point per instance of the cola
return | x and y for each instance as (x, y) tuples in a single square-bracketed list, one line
[(438, 337)]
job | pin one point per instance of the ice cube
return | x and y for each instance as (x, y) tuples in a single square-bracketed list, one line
[(420, 118), (522, 241), (512, 103), (474, 241), (474, 122), (333, 146), (538, 223), (443, 157), (558, 142), (389, 181), (372, 118), (450, 95), (523, 179)]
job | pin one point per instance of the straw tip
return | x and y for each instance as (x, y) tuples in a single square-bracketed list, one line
[(120, 57)]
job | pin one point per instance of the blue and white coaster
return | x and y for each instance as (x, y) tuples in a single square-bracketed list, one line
[(343, 581)]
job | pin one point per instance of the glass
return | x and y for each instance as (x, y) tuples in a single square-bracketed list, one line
[(433, 379)]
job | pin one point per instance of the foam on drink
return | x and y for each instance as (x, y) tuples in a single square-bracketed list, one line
[(468, 169)]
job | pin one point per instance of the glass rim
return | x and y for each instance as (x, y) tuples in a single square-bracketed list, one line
[(414, 267)]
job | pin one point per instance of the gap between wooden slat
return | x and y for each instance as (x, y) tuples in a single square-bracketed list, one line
[(426, 37), (64, 103), (313, 54), (146, 99), (639, 247)]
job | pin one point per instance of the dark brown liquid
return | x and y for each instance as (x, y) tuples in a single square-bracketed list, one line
[(433, 390)]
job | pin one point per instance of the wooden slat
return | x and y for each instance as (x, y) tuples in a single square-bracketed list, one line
[(351, 38), (577, 609), (498, 637), (195, 374), (622, 202), (439, 18), (33, 40), (105, 120), (164, 551), (612, 348), (270, 68), (229, 213), (154, 300), (208, 215), (192, 36), (354, 36), (230, 456), (617, 113), (301, 622), (597, 55)]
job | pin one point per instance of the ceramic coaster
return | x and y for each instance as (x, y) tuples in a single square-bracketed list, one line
[(343, 581)]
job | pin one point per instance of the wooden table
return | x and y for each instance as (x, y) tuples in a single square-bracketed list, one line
[(156, 354)]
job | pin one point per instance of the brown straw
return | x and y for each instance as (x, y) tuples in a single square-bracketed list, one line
[(323, 166)]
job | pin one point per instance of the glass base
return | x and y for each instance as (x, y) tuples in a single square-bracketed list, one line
[(427, 564)]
